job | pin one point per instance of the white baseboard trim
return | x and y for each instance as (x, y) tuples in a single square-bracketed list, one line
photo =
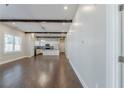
[(79, 77), (12, 60)]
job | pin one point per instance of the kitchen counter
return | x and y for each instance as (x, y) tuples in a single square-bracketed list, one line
[(50, 52)]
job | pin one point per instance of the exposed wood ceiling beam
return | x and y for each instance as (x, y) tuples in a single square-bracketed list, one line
[(50, 36), (47, 32), (35, 20)]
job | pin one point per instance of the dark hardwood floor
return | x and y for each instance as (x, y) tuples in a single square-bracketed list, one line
[(39, 72)]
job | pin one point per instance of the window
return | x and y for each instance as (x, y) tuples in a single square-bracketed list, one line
[(17, 43), (12, 43), (9, 41)]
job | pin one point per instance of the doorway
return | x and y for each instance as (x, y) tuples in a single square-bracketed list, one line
[(121, 45)]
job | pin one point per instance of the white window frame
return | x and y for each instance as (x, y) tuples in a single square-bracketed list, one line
[(13, 44), (20, 43)]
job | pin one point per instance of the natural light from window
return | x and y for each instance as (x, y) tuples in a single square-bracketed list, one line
[(12, 43)]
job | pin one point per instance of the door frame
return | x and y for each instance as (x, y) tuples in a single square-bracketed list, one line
[(113, 77)]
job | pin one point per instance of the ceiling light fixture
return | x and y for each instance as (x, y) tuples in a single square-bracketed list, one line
[(13, 23), (32, 35), (66, 7), (88, 7), (63, 23), (43, 22), (76, 24)]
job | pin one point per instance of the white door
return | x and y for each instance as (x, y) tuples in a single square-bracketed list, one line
[(121, 57)]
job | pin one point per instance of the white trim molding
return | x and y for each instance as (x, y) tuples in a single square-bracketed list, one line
[(112, 71), (12, 60), (78, 75)]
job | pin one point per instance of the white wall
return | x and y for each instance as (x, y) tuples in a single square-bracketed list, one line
[(30, 43), (26, 47), (62, 45), (4, 29), (86, 45)]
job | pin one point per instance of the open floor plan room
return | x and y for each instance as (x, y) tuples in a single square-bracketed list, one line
[(61, 46)]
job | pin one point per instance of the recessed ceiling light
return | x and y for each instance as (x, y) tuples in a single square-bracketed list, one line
[(76, 24), (32, 34), (42, 40), (66, 7), (63, 23), (88, 7), (44, 22), (13, 23)]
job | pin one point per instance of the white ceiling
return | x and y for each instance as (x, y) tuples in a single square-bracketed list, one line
[(39, 11), (40, 27)]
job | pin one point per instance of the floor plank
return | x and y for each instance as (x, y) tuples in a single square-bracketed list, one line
[(39, 72)]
